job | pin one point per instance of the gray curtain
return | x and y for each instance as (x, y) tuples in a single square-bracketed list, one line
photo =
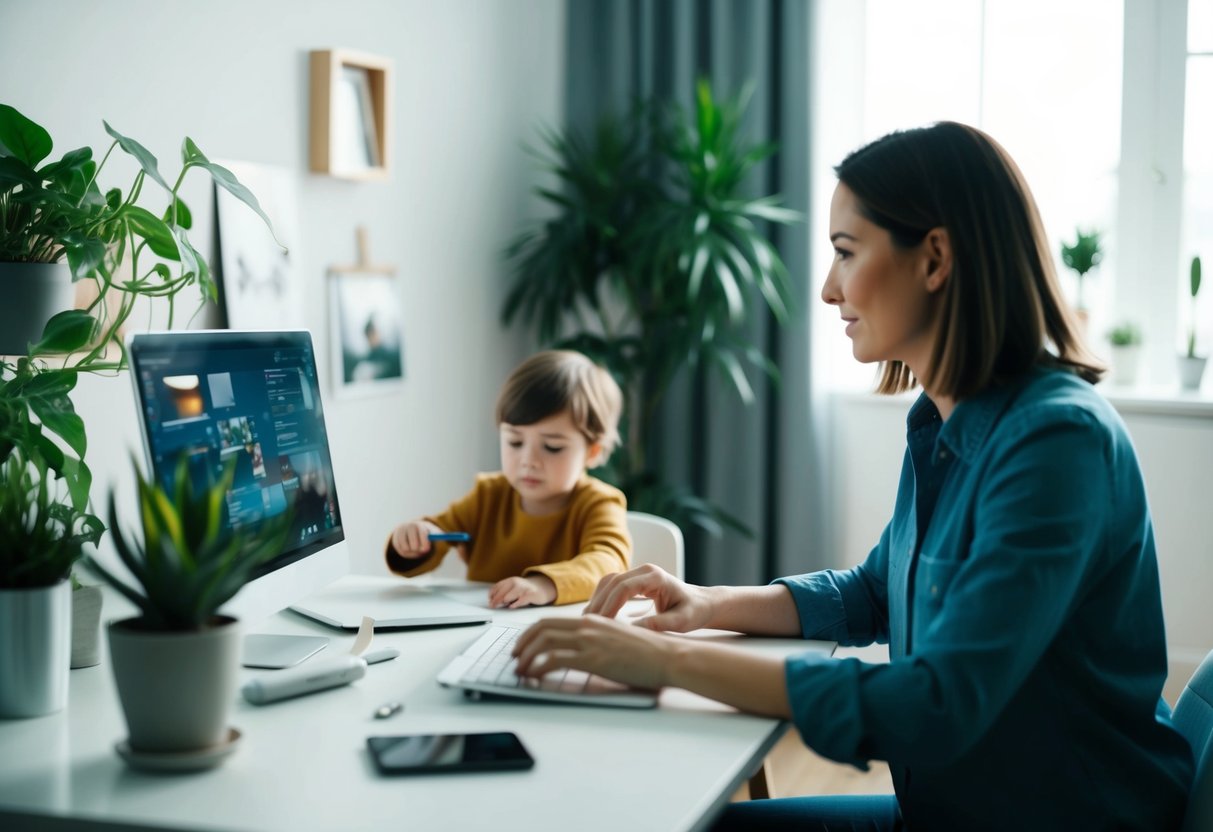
[(757, 462)]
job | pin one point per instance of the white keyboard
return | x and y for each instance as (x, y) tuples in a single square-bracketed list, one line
[(487, 667)]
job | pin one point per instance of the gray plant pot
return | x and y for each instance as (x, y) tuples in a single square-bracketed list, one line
[(86, 626), (35, 645), (1191, 370), (33, 294), (176, 688)]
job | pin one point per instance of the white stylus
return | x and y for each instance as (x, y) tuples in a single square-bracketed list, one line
[(316, 675)]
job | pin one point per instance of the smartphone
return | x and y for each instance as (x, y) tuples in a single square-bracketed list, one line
[(437, 753)]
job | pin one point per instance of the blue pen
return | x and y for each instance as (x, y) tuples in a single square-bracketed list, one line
[(451, 537)]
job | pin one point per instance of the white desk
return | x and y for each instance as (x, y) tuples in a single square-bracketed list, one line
[(302, 763)]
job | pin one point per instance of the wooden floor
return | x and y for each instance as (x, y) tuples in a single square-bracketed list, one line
[(793, 770)]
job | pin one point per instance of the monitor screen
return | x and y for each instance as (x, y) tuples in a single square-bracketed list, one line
[(248, 399)]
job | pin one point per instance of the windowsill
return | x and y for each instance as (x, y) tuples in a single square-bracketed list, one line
[(1138, 399)]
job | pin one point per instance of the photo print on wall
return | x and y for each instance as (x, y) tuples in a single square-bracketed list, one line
[(366, 335), (259, 284)]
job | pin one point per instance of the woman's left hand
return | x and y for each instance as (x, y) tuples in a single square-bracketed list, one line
[(628, 654)]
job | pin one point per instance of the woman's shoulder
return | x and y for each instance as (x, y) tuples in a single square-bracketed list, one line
[(1054, 397)]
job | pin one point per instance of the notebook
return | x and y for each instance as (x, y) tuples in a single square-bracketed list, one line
[(486, 667), (392, 602)]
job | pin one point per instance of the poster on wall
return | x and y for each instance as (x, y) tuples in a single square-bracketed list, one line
[(259, 281), (366, 334)]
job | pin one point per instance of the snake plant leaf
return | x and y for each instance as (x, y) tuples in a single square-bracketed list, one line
[(141, 154), (22, 138), (1194, 276)]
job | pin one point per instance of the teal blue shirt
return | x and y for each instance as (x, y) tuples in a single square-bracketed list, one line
[(1017, 588)]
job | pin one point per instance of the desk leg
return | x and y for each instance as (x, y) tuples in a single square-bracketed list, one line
[(760, 782)]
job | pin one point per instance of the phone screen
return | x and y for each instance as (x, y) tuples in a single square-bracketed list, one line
[(421, 753)]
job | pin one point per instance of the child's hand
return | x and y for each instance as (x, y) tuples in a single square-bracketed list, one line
[(513, 593), (412, 540)]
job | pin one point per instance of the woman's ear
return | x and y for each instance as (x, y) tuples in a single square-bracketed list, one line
[(938, 248)]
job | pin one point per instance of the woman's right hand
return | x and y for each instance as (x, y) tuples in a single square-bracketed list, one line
[(680, 607), (412, 540)]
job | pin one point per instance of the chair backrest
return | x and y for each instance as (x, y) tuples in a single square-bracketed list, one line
[(1193, 716), (656, 540)]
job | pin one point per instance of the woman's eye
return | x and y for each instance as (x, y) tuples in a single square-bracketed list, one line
[(841, 253)]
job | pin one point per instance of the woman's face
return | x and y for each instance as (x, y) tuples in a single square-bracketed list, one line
[(884, 293)]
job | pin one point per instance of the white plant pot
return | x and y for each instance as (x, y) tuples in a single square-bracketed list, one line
[(35, 648), (1191, 370), (1124, 364), (86, 626), (33, 294), (176, 688)]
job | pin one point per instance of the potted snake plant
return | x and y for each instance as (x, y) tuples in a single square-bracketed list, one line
[(176, 661)]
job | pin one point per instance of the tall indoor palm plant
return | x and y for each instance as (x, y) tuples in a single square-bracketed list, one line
[(654, 260)]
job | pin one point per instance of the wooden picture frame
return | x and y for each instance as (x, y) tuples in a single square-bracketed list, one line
[(351, 120)]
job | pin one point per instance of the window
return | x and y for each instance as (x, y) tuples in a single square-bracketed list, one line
[(1107, 106)]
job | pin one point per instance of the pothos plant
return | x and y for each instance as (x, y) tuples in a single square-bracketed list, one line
[(652, 262), (56, 211)]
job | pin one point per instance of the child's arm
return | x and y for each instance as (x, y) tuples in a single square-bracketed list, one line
[(409, 550), (604, 546)]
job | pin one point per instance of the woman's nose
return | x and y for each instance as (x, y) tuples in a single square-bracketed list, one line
[(829, 290)]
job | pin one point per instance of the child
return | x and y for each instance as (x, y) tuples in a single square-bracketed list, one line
[(542, 530)]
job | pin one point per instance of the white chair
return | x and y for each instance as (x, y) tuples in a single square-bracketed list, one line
[(656, 540), (1193, 717)]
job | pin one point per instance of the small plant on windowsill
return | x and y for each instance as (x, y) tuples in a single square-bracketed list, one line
[(1083, 255), (1125, 339), (1191, 365)]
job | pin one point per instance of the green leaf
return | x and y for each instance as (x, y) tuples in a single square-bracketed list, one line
[(183, 217), (59, 417), (66, 332), (84, 257), (14, 172), (79, 483), (144, 157), (227, 180), (22, 138), (1194, 276), (156, 232)]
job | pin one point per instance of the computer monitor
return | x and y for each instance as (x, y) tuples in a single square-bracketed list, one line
[(252, 398)]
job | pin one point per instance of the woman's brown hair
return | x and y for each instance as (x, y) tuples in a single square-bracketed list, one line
[(550, 382), (1002, 309)]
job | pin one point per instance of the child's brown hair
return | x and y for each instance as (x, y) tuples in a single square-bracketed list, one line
[(549, 382)]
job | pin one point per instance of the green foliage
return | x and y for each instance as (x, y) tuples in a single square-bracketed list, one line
[(189, 562), (1125, 334), (35, 518), (651, 263), (1194, 289), (54, 212), (1082, 255)]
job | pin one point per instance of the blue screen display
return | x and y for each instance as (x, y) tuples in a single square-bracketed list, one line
[(251, 399)]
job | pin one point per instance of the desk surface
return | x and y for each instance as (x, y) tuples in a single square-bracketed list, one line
[(302, 764)]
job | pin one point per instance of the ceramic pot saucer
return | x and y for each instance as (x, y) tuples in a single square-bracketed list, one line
[(180, 760)]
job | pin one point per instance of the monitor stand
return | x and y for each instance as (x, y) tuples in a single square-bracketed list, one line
[(275, 652)]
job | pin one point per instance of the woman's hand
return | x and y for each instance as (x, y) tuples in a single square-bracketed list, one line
[(680, 607), (598, 645), (412, 540), (533, 590)]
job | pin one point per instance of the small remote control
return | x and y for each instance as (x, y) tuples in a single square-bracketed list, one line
[(316, 675)]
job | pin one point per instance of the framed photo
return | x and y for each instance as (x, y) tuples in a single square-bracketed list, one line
[(355, 135), (258, 282), (367, 337)]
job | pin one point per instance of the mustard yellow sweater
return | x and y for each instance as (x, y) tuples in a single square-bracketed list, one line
[(574, 547)]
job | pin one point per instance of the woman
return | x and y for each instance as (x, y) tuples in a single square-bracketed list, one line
[(1016, 583)]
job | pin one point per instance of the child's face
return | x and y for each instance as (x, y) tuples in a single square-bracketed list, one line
[(544, 460)]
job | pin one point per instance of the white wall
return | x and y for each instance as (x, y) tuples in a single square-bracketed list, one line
[(472, 81), (1174, 441)]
